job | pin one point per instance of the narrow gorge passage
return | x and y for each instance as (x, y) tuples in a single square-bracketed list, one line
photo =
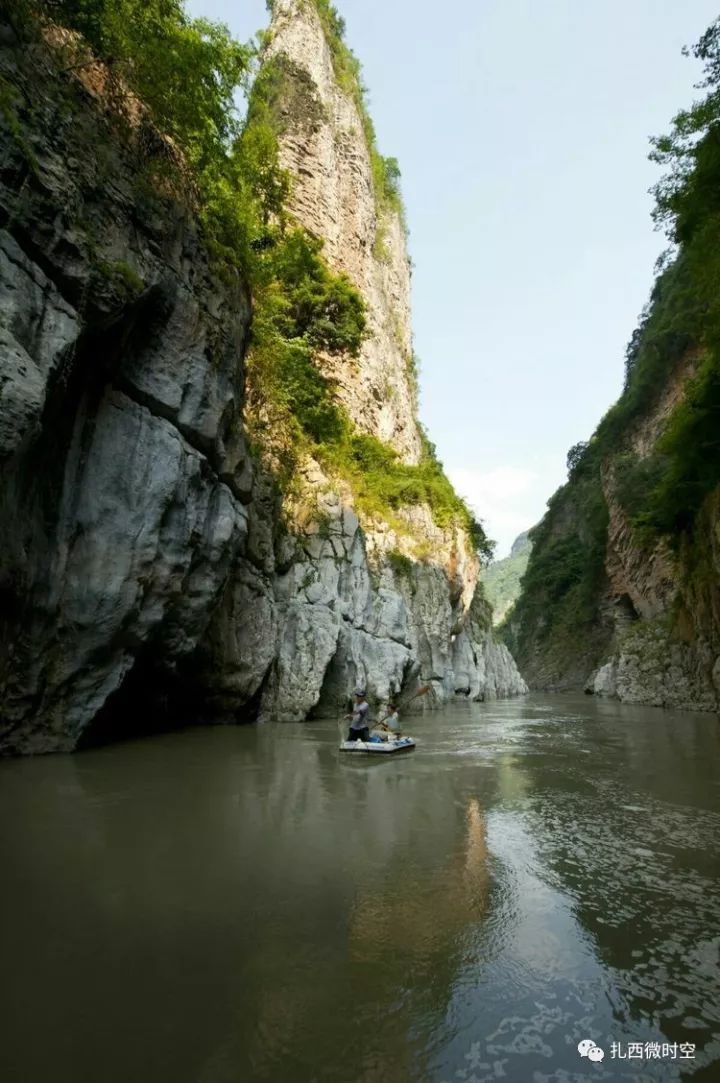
[(359, 562)]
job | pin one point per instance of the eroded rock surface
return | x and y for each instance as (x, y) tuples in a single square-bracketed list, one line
[(324, 146), (146, 575)]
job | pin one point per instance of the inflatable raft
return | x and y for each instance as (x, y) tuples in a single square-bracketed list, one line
[(378, 747)]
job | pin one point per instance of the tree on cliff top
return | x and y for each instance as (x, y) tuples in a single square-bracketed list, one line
[(680, 325), (689, 194), (186, 70)]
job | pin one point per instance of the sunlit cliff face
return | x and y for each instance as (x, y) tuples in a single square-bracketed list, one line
[(333, 197)]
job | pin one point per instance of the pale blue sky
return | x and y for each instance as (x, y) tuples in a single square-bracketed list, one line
[(521, 127)]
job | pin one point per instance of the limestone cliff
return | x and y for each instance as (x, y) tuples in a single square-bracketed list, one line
[(324, 145), (150, 573), (394, 601)]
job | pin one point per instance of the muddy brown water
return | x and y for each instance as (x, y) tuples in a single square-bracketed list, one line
[(233, 904)]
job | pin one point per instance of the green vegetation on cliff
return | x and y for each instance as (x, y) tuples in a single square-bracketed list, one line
[(302, 308), (664, 492), (557, 624), (348, 72), (382, 484), (292, 403), (188, 73), (502, 578), (555, 628)]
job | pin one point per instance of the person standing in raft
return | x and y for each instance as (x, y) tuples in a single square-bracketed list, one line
[(359, 725)]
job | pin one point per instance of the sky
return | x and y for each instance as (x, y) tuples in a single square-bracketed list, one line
[(522, 129)]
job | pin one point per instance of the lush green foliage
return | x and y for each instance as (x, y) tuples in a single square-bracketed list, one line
[(322, 308), (560, 567), (557, 624), (635, 479), (663, 493), (295, 399), (670, 326), (686, 466), (186, 70), (687, 196), (569, 545), (561, 586), (188, 73), (502, 579), (688, 461), (301, 307), (383, 484)]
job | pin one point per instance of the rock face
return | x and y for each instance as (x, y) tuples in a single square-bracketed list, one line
[(323, 145), (122, 495), (666, 644), (382, 626), (649, 630), (665, 648), (146, 577)]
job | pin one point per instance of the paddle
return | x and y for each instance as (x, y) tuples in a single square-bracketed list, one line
[(423, 691)]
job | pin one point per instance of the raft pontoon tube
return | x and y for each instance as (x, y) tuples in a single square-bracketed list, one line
[(379, 748)]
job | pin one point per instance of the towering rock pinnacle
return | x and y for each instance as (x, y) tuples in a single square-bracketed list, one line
[(148, 572), (324, 146)]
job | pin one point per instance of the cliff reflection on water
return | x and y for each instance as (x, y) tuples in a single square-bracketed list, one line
[(241, 904)]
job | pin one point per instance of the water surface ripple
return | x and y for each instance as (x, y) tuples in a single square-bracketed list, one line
[(225, 905)]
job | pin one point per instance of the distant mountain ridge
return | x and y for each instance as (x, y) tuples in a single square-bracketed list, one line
[(502, 579)]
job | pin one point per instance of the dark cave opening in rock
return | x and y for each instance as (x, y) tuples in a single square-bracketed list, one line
[(150, 700), (343, 674), (625, 612), (156, 698)]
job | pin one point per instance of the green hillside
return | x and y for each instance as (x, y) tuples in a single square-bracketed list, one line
[(502, 579)]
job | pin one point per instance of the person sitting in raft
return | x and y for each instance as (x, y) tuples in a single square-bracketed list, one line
[(359, 730), (392, 723)]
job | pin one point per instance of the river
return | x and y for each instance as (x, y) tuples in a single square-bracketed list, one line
[(238, 904)]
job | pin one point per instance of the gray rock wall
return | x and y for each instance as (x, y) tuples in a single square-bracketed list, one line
[(146, 575), (124, 481)]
